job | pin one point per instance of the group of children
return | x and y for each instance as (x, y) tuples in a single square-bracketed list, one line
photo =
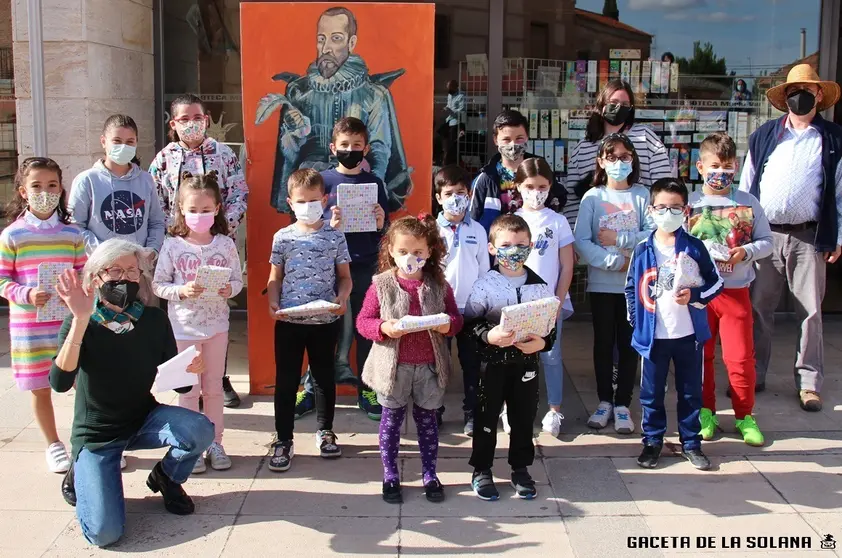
[(470, 262), (195, 191)]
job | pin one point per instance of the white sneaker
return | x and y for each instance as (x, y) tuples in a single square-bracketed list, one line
[(122, 461), (219, 460), (504, 416), (200, 466), (552, 422), (599, 419), (623, 424), (57, 459)]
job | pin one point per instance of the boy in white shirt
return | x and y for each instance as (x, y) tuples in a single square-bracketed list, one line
[(467, 260), (552, 259)]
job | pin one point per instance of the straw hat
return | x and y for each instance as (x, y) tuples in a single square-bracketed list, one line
[(804, 73)]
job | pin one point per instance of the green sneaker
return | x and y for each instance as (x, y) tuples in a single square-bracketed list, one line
[(709, 424), (751, 434)]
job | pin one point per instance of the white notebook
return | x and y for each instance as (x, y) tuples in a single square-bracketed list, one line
[(173, 374)]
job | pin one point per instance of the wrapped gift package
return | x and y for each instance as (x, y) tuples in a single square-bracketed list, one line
[(687, 274), (213, 278), (409, 324), (537, 317), (314, 308), (719, 252), (619, 221)]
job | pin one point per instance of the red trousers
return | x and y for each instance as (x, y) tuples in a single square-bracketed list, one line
[(729, 317)]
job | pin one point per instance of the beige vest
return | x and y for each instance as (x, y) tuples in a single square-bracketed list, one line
[(382, 363)]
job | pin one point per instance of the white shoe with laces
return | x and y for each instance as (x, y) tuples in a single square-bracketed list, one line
[(551, 424), (603, 414), (200, 466), (219, 460), (504, 416), (623, 424), (57, 459)]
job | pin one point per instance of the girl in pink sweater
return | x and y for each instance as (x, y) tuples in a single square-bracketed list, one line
[(403, 366)]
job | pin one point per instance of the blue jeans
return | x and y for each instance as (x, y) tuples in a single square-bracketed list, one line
[(686, 354), (100, 506), (554, 369)]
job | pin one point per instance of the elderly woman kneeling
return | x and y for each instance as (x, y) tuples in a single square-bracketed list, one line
[(110, 347)]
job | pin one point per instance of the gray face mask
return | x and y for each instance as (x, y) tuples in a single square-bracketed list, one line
[(513, 151)]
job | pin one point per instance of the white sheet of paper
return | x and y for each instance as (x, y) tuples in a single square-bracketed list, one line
[(357, 204), (173, 373)]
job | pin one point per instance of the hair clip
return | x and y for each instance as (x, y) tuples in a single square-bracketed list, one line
[(422, 216)]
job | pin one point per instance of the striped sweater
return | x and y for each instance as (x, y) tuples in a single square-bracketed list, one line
[(654, 164), (22, 247)]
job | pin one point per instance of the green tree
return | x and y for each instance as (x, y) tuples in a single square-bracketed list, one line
[(704, 62)]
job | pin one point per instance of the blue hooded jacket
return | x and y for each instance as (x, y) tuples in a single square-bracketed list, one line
[(643, 275)]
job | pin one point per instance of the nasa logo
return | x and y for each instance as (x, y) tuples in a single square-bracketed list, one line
[(123, 212)]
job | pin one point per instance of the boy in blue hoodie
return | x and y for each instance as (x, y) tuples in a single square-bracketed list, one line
[(670, 325)]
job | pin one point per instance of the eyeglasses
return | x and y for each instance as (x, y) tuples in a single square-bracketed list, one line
[(117, 273), (625, 157), (185, 119), (662, 209), (615, 106)]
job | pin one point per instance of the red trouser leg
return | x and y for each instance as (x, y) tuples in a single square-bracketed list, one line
[(736, 331), (708, 373)]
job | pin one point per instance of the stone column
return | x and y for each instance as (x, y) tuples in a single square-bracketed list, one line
[(98, 61)]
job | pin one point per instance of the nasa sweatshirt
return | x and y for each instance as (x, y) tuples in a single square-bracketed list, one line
[(105, 206)]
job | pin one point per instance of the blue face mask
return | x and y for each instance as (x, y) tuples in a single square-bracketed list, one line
[(455, 205), (618, 170)]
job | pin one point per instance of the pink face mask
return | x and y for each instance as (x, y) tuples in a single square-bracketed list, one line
[(199, 222)]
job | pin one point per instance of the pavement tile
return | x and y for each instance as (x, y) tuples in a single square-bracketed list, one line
[(589, 487), (733, 487), (312, 536), (827, 523), (152, 535), (607, 536), (28, 486), (485, 536), (31, 439), (792, 475), (7, 435), (34, 531)]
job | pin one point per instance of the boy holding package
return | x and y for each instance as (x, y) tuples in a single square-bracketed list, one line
[(671, 278), (508, 370), (734, 226), (467, 260)]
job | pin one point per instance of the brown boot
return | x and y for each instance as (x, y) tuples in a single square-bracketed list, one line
[(810, 401)]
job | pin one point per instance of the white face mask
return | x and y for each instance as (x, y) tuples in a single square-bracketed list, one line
[(122, 154), (668, 222), (43, 201), (409, 264), (534, 199), (308, 212)]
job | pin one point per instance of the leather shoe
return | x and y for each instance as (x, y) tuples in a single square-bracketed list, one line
[(230, 399), (175, 499), (810, 401), (68, 487)]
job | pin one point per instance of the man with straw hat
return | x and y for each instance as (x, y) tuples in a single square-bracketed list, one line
[(793, 167)]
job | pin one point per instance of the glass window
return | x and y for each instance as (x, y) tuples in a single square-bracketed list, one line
[(8, 120)]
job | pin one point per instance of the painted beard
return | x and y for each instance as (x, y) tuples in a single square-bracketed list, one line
[(328, 65)]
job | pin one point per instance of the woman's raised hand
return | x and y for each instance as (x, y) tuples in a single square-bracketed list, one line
[(79, 300)]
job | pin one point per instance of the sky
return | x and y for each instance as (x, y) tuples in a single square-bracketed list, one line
[(752, 35)]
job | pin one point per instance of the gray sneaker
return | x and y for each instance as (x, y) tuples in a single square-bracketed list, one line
[(469, 424), (326, 442)]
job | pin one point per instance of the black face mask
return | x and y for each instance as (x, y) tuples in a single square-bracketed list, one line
[(616, 114), (121, 294), (349, 159), (801, 102)]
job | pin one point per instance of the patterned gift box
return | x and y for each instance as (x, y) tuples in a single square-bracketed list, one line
[(54, 310), (315, 308), (212, 278), (620, 221), (687, 274), (410, 324), (537, 317), (719, 252)]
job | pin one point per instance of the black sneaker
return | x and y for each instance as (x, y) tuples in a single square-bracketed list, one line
[(649, 457), (523, 484), (68, 487), (392, 493), (326, 442), (697, 459), (281, 458), (231, 399), (469, 424), (440, 416), (175, 499), (483, 484), (434, 491)]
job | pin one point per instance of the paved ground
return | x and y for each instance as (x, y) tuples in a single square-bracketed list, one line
[(592, 497)]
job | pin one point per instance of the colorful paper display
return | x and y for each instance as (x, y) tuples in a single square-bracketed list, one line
[(694, 158), (54, 310), (592, 76), (555, 123), (645, 76), (582, 73), (537, 317), (533, 123), (409, 324), (357, 202), (558, 159), (545, 123)]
